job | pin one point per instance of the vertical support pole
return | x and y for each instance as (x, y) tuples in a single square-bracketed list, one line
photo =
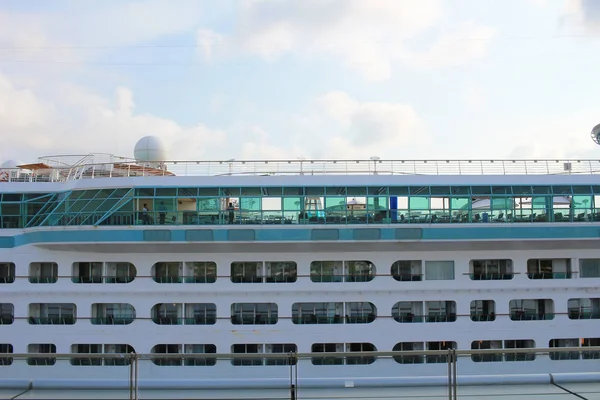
[(449, 360), (137, 376), (131, 376), (454, 373), (293, 361)]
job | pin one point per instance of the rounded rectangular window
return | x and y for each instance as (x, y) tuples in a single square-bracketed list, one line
[(342, 271), (5, 348), (7, 313), (43, 272), (254, 313), (7, 272), (407, 270), (112, 314), (52, 313)]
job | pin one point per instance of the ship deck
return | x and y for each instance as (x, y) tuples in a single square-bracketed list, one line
[(68, 168), (549, 391)]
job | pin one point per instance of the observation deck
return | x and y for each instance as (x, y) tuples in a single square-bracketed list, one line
[(69, 168)]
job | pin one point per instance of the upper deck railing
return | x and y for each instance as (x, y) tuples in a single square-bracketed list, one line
[(121, 167)]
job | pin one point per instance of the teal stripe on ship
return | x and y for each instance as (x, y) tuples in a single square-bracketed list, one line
[(299, 234)]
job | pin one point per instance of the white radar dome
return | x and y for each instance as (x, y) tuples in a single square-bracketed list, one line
[(10, 164), (150, 148), (596, 134)]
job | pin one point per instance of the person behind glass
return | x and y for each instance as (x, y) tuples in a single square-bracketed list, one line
[(162, 213), (145, 217), (231, 213)]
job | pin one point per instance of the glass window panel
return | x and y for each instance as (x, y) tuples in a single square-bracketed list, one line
[(378, 190), (335, 191), (460, 203), (377, 203), (337, 203), (356, 191), (589, 268), (208, 204), (481, 190), (293, 191), (398, 190), (315, 191), (274, 191), (230, 192), (564, 190), (500, 190), (419, 190), (418, 203), (250, 203), (582, 190), (460, 190), (582, 202), (14, 196), (144, 192), (251, 191), (166, 192), (439, 270), (271, 203), (522, 190), (208, 191), (187, 192), (440, 190), (541, 190), (292, 203)]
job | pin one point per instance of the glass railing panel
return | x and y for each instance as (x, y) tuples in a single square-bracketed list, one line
[(491, 276), (483, 317), (200, 279), (408, 277), (110, 320), (52, 320), (43, 279), (168, 320), (314, 319), (409, 318)]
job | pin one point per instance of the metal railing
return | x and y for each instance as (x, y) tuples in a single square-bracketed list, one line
[(89, 167), (292, 360)]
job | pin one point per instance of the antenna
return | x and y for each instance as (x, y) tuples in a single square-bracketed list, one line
[(596, 134)]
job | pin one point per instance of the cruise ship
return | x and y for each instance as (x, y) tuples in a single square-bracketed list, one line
[(356, 272)]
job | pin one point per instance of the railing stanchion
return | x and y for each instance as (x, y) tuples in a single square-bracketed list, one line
[(454, 373), (293, 360), (449, 360), (137, 376), (131, 376)]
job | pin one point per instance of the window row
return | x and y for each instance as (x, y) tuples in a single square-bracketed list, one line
[(258, 354), (303, 205), (302, 313), (287, 271)]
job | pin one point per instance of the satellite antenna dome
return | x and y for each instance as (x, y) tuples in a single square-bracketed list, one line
[(150, 148), (596, 134), (10, 164)]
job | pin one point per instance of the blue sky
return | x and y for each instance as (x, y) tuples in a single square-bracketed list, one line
[(249, 79)]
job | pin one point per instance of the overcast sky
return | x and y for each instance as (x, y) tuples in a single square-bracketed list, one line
[(247, 79)]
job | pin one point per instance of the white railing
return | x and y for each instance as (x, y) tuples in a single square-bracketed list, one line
[(121, 167)]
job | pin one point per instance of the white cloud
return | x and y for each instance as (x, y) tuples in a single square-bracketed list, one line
[(20, 109), (583, 14), (467, 42), (63, 118), (208, 42), (560, 136), (369, 128), (474, 97), (76, 34), (125, 23), (367, 36)]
